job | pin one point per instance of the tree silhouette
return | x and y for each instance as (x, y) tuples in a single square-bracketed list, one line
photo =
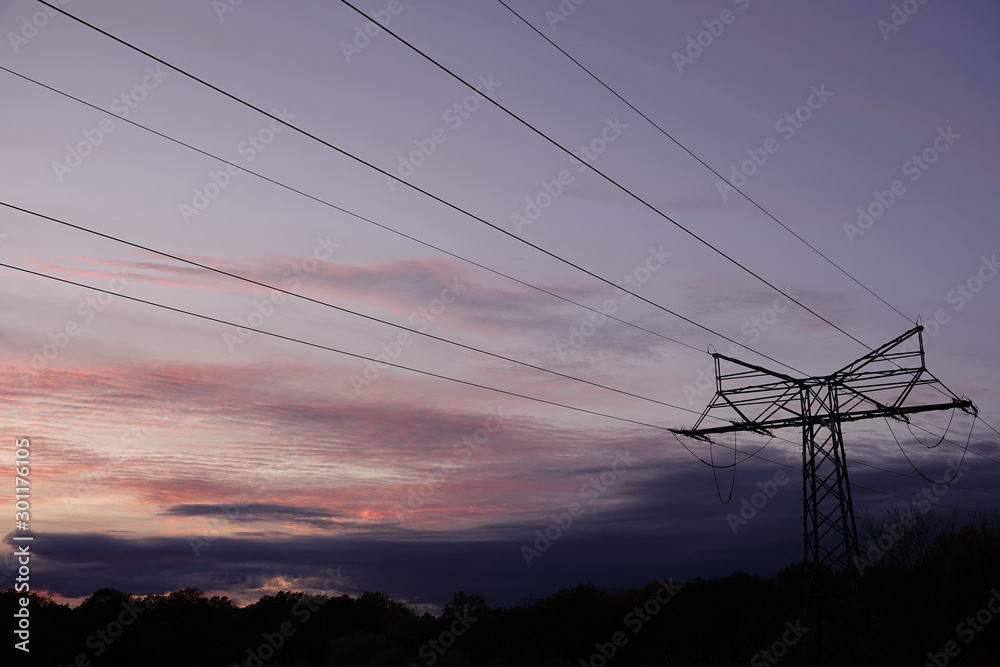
[(901, 609)]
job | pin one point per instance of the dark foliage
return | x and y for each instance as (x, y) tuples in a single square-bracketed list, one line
[(903, 610)]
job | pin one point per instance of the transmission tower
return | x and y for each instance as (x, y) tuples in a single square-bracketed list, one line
[(890, 382)]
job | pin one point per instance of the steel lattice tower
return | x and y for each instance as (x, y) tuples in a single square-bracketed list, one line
[(890, 382)]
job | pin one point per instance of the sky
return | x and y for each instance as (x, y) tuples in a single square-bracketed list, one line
[(170, 450)]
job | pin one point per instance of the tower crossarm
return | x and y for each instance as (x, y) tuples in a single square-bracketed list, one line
[(891, 381), (766, 426), (753, 398)]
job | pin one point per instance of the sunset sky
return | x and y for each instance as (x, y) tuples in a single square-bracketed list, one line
[(171, 451)]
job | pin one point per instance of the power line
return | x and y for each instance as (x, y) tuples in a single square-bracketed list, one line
[(990, 427), (468, 214), (955, 444), (265, 285), (703, 163), (419, 189), (896, 495), (860, 486), (950, 483), (356, 215), (394, 231), (609, 180), (756, 454), (853, 484), (332, 349), (623, 189), (918, 479), (317, 345), (407, 368), (871, 465), (258, 283), (637, 197)]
